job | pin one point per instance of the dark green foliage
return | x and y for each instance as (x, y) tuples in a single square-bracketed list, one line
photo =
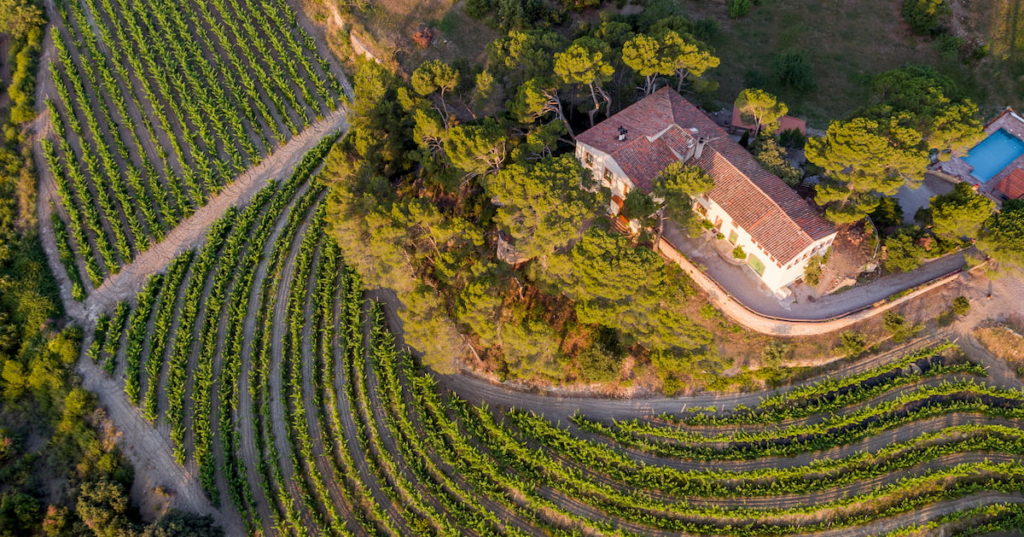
[(888, 215), (902, 251), (852, 344), (638, 206), (19, 514), (791, 69), (899, 327), (961, 305), (770, 154), (792, 139), (1002, 236), (509, 14), (182, 524), (598, 364), (739, 8), (925, 16), (961, 213)]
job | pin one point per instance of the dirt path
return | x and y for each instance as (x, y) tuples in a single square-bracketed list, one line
[(46, 197), (559, 408), (311, 345), (245, 415), (192, 232), (279, 422), (148, 450)]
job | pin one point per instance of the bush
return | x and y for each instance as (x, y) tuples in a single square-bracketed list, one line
[(902, 253), (961, 306), (770, 154), (812, 272), (738, 253), (925, 16), (792, 139), (852, 343), (793, 70), (898, 326), (596, 364), (739, 8), (775, 353), (888, 215)]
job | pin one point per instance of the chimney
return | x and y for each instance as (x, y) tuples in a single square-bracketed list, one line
[(701, 142), (622, 133)]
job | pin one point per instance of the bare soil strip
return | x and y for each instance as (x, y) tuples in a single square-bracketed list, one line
[(192, 232)]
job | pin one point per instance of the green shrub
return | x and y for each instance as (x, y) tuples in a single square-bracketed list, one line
[(925, 16), (902, 252), (793, 70), (792, 139), (739, 8), (961, 306), (775, 353), (812, 272), (738, 253), (898, 326), (596, 364), (852, 343)]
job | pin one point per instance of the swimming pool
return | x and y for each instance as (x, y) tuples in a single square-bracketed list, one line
[(993, 154)]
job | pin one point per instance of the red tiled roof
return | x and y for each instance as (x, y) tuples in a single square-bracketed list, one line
[(1013, 184), (758, 201), (785, 122)]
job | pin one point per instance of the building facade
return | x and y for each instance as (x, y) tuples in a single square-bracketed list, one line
[(752, 208)]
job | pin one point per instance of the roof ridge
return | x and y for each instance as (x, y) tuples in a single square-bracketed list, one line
[(767, 195)]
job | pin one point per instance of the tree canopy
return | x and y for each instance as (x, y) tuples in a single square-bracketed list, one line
[(17, 17), (760, 108), (961, 213), (654, 56), (435, 76), (629, 288), (930, 103), (677, 184), (541, 205), (865, 158), (1002, 237), (581, 65)]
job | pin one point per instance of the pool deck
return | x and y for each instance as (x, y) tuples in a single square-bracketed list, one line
[(1012, 123)]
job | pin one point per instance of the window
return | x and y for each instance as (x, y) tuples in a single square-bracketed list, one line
[(701, 210), (756, 264), (608, 176), (733, 236), (588, 158)]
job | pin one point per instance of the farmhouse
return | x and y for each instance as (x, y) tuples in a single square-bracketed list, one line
[(754, 209)]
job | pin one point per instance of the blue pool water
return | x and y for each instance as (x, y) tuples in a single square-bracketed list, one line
[(992, 154)]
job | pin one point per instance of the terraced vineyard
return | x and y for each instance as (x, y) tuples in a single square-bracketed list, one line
[(280, 385), (158, 105)]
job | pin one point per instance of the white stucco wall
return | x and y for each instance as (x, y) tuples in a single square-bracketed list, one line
[(775, 277)]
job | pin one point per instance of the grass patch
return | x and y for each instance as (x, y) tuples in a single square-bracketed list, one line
[(846, 43)]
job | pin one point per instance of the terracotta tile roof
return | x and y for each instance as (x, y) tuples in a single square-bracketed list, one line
[(660, 130), (1012, 186), (785, 122)]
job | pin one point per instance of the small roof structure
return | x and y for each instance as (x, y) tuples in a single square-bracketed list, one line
[(663, 128), (785, 123), (1012, 186)]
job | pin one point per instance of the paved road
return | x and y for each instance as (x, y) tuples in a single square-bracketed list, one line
[(740, 283)]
